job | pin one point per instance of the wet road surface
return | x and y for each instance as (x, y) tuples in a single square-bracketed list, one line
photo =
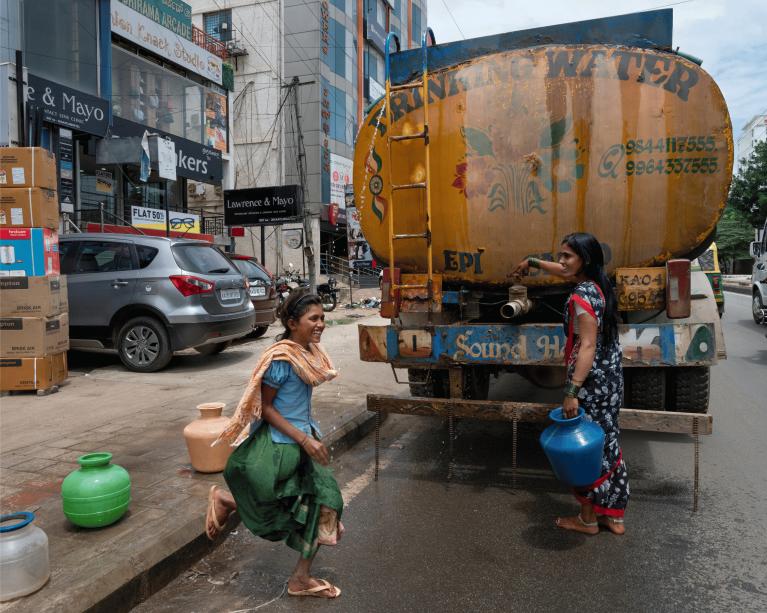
[(416, 542)]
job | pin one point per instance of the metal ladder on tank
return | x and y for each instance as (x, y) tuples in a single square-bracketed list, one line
[(423, 185)]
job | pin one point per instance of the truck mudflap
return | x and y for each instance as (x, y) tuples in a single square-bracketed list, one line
[(692, 424), (656, 344)]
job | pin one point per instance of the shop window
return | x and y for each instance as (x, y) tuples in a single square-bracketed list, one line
[(61, 42), (151, 95), (218, 25), (415, 32)]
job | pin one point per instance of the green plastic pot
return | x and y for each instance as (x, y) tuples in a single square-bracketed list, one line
[(98, 493)]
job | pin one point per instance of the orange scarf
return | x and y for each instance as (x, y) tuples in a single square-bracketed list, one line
[(313, 367)]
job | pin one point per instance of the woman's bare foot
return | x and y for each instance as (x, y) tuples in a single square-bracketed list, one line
[(307, 586), (613, 524), (576, 524)]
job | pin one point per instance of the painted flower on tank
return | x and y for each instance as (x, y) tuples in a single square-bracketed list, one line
[(460, 182)]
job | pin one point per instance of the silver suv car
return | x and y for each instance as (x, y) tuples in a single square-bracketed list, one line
[(148, 296)]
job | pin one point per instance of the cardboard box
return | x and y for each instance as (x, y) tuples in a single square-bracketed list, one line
[(18, 374), (29, 207), (27, 167), (33, 296), (28, 252), (33, 337)]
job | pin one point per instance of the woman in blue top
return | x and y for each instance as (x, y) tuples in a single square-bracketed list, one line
[(278, 477)]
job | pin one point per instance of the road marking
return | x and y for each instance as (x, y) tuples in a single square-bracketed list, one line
[(357, 485)]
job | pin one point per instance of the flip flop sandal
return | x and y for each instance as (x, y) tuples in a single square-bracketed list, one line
[(210, 516), (315, 592)]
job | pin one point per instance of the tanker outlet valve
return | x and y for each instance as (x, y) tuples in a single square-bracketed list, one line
[(518, 303)]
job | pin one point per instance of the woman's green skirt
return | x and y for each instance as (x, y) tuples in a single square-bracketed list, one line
[(279, 489)]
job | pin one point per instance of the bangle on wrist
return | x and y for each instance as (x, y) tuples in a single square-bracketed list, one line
[(301, 444), (571, 390), (533, 262)]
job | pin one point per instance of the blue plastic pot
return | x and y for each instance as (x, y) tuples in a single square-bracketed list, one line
[(574, 448)]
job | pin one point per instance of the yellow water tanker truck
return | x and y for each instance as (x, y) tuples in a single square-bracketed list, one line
[(487, 151)]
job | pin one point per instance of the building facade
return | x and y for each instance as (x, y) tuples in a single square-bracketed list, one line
[(753, 132), (102, 74), (305, 72)]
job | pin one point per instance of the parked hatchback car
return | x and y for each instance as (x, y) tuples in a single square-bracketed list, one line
[(146, 297), (262, 291)]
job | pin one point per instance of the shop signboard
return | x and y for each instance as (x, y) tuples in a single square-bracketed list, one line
[(193, 160), (215, 121), (66, 171), (68, 107), (376, 35), (145, 33), (360, 255), (340, 176), (262, 206), (173, 15), (154, 219), (166, 159)]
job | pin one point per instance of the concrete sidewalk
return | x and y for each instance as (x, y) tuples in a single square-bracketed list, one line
[(737, 283), (139, 419)]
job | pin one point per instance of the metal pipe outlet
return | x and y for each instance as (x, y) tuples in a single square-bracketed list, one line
[(518, 303)]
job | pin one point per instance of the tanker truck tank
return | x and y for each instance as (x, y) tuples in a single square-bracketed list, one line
[(527, 145)]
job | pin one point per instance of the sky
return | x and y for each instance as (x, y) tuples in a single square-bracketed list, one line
[(729, 36)]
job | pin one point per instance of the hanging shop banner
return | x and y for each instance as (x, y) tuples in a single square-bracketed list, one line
[(215, 121), (360, 255), (173, 15), (145, 33), (193, 160), (68, 107), (66, 171), (154, 219), (262, 206), (340, 176), (166, 159), (104, 181)]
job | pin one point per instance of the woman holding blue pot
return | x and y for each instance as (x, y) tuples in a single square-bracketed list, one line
[(594, 375)]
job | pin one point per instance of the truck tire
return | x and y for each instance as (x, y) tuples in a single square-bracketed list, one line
[(645, 388), (688, 389), (143, 345), (426, 383), (756, 307)]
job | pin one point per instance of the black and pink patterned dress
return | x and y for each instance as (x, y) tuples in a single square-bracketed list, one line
[(600, 397)]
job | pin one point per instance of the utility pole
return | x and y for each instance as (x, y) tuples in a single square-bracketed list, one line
[(301, 167)]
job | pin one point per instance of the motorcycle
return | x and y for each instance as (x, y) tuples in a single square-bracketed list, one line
[(289, 281), (328, 293)]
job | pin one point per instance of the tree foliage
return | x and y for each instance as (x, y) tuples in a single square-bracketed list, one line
[(733, 235), (748, 192)]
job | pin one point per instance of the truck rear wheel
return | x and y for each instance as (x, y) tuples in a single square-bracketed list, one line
[(426, 383), (645, 388), (688, 389)]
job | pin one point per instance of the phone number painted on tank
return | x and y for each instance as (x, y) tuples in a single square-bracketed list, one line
[(671, 144), (673, 166)]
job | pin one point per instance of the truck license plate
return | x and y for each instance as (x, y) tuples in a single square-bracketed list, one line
[(257, 291), (230, 294)]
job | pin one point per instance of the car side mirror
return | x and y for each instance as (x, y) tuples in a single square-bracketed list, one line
[(755, 249)]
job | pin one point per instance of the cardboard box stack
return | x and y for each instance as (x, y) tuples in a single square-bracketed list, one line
[(34, 320)]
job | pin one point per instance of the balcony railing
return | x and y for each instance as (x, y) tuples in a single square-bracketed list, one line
[(207, 42)]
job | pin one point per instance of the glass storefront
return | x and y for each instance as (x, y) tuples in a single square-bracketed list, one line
[(152, 95), (61, 42)]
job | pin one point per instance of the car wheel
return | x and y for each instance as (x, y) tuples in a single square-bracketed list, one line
[(258, 332), (756, 308), (212, 348), (143, 345)]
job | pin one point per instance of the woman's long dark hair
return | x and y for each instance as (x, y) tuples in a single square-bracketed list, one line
[(587, 247), (296, 304)]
